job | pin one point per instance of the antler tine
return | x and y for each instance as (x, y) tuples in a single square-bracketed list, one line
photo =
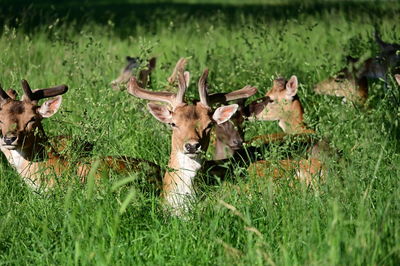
[(3, 94), (179, 67), (243, 93), (12, 93), (203, 88), (135, 90), (49, 92), (179, 99), (27, 90)]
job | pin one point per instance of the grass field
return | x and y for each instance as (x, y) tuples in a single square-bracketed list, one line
[(351, 219)]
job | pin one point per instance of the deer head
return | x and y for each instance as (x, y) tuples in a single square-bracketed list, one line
[(20, 120), (229, 135), (191, 124), (281, 104), (350, 82)]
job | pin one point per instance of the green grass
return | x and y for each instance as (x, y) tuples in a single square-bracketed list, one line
[(352, 218)]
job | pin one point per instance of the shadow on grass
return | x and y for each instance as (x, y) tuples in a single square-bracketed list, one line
[(125, 16)]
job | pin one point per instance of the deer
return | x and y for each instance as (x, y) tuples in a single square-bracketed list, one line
[(28, 150), (397, 77), (281, 103), (191, 126), (133, 64), (229, 136), (351, 82)]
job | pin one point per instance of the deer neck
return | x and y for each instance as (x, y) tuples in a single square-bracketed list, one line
[(178, 180), (29, 161), (292, 121)]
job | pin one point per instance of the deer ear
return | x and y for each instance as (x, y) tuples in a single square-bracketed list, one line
[(397, 76), (224, 113), (50, 107), (160, 112), (291, 87)]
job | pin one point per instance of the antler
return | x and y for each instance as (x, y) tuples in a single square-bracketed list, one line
[(3, 94), (203, 88), (173, 99), (242, 93), (36, 95), (179, 68), (162, 96)]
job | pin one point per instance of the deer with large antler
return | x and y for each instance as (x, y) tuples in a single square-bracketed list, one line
[(229, 136), (26, 146), (191, 125)]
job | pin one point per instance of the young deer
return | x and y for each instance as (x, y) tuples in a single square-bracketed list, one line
[(351, 82), (128, 71), (26, 146), (282, 104), (230, 135), (191, 125)]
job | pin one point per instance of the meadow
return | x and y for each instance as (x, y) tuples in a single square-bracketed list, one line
[(352, 218)]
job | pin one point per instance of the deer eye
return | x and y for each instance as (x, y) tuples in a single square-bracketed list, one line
[(172, 124)]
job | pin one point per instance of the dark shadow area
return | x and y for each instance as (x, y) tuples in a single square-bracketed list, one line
[(125, 16)]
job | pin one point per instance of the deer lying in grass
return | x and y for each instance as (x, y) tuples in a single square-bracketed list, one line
[(229, 135), (351, 82), (282, 104), (191, 125), (26, 146), (127, 72)]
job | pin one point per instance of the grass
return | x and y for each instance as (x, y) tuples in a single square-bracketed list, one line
[(353, 218)]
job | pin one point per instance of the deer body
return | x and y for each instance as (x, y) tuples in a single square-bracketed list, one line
[(282, 104), (191, 125), (351, 82), (26, 146)]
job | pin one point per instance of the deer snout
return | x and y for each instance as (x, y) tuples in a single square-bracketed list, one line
[(237, 142), (9, 139), (192, 147)]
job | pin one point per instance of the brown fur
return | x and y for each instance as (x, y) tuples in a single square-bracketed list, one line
[(351, 82), (284, 106), (38, 163)]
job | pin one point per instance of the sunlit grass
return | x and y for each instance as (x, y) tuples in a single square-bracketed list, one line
[(352, 218)]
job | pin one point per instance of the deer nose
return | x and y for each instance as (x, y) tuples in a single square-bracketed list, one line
[(192, 147), (238, 142), (9, 140)]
